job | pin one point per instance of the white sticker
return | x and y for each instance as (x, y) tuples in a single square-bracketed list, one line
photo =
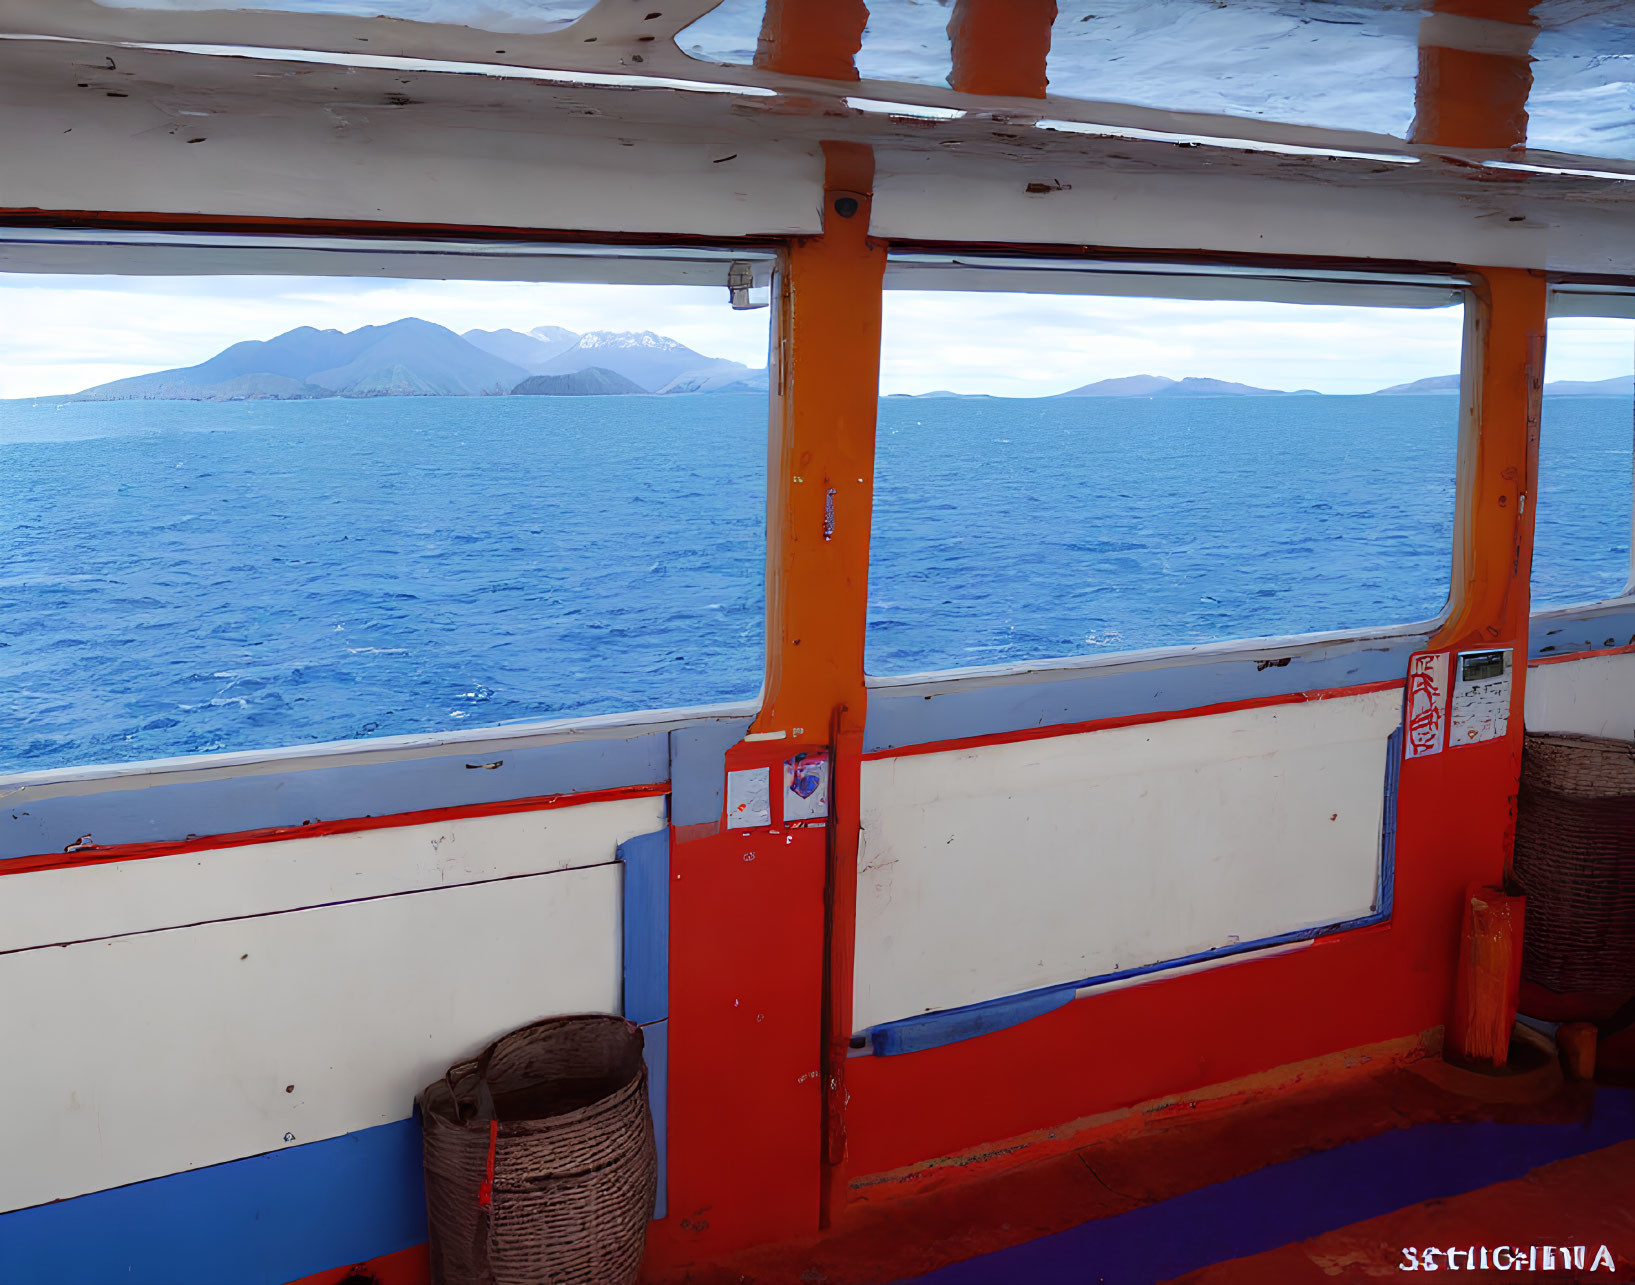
[(749, 798), (1481, 697), (806, 787)]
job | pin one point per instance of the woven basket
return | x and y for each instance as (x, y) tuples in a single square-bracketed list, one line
[(540, 1163), (1575, 858)]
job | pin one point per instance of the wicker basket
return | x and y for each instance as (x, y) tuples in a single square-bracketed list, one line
[(540, 1163), (1575, 858)]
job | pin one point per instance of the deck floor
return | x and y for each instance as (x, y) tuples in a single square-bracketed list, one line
[(1326, 1180)]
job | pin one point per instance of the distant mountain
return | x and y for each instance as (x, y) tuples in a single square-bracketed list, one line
[(404, 359), (942, 393), (1125, 386), (1617, 386), (655, 362), (1162, 386), (415, 358), (593, 381), (531, 351), (1434, 384)]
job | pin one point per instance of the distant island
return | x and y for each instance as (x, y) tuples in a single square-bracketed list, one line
[(1163, 386), (415, 358)]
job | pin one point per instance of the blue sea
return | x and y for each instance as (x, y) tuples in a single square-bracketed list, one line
[(179, 578)]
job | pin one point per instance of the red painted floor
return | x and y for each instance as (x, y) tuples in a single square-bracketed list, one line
[(1218, 1171)]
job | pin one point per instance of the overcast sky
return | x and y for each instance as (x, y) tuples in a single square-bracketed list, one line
[(61, 334)]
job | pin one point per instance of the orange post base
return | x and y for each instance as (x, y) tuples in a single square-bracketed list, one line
[(1484, 1003)]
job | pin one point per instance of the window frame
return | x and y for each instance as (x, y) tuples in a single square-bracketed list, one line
[(185, 250), (1613, 301), (1159, 277)]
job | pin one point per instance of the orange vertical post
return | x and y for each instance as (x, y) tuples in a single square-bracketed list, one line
[(817, 38), (999, 47), (760, 925), (1493, 553), (1498, 464), (1474, 97), (820, 489), (1484, 1002)]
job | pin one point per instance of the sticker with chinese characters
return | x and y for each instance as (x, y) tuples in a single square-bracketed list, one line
[(1427, 704)]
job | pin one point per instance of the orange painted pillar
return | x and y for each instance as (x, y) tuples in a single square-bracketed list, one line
[(812, 37), (1457, 808), (821, 503), (1484, 1003), (1474, 97), (754, 911), (999, 47), (1498, 467)]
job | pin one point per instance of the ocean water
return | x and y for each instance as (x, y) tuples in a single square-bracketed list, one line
[(179, 578)]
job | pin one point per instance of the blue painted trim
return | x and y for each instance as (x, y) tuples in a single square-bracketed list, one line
[(261, 1221), (1300, 1199), (1386, 897), (657, 1053), (1577, 629), (951, 1025), (49, 818), (932, 1030), (698, 774), (954, 707), (646, 861)]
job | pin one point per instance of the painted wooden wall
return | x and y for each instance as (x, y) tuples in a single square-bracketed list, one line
[(183, 1011), (990, 871)]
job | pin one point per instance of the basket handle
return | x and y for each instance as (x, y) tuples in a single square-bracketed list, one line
[(484, 1095)]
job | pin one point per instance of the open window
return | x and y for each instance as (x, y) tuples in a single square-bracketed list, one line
[(1080, 459), (265, 492), (1581, 542)]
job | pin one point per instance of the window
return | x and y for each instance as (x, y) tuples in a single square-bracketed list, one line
[(1581, 533), (295, 509), (1064, 475)]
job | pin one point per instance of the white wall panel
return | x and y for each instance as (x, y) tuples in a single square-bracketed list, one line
[(48, 907), (1594, 696), (145, 1055), (992, 871)]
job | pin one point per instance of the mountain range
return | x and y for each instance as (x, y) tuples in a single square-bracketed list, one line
[(1617, 386), (1163, 386), (415, 358)]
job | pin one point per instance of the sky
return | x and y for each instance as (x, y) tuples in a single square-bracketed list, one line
[(59, 334)]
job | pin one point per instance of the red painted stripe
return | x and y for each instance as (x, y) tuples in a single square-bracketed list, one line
[(1131, 720), (1581, 655), (410, 1266), (95, 856)]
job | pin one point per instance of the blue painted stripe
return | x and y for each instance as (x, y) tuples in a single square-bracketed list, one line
[(1286, 1203), (698, 774), (1595, 628), (49, 818), (950, 1025), (929, 711), (261, 1221), (1386, 897), (656, 1050), (646, 926), (932, 1030)]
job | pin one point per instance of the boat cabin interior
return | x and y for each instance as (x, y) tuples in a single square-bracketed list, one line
[(1179, 954)]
